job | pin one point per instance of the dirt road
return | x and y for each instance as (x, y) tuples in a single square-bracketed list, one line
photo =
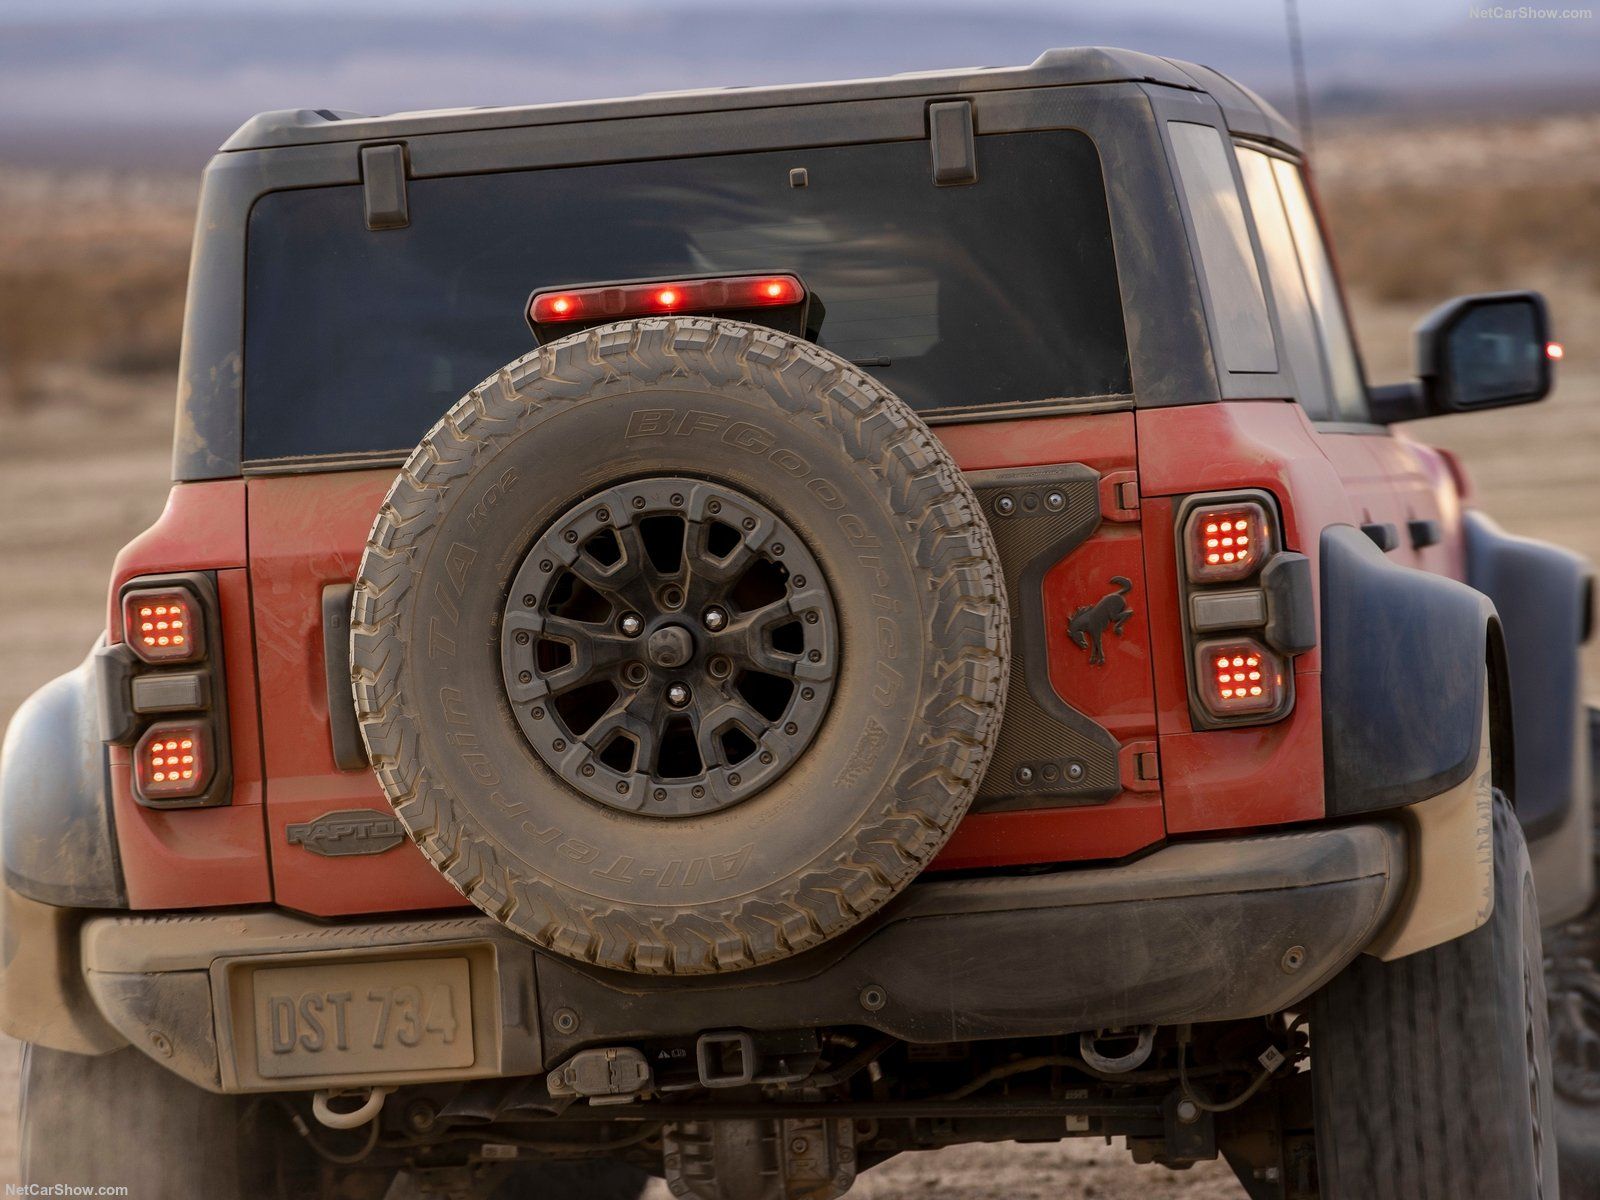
[(83, 467)]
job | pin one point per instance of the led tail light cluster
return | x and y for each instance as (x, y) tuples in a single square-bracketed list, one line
[(163, 626), (163, 694), (1239, 677), (615, 302), (1239, 588), (1226, 542), (173, 760)]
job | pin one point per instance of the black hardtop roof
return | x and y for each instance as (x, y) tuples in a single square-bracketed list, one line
[(1246, 113)]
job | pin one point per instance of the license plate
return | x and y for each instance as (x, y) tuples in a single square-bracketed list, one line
[(354, 1018)]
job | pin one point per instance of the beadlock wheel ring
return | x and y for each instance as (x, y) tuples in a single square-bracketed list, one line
[(669, 647)]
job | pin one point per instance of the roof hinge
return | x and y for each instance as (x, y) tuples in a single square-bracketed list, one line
[(955, 153), (383, 186), (1139, 765), (1119, 496)]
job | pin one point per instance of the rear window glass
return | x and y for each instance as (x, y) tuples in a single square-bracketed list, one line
[(1001, 292)]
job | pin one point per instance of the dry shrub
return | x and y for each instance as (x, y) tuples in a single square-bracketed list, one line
[(120, 319), (92, 271), (1413, 243)]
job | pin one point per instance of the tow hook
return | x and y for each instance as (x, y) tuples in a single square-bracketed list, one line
[(354, 1118)]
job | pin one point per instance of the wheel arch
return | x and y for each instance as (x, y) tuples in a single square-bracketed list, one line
[(1502, 726)]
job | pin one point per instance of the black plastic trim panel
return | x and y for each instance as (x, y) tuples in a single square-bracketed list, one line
[(57, 834), (344, 731), (1542, 593), (1403, 672), (1049, 753)]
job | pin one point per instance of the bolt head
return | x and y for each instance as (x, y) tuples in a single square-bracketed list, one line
[(1024, 774), (1188, 1112), (1005, 506), (678, 694), (716, 619), (1055, 501), (632, 624)]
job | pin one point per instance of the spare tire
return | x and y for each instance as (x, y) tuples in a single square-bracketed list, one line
[(679, 646)]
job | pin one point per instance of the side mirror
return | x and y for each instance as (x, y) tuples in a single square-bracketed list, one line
[(1486, 351)]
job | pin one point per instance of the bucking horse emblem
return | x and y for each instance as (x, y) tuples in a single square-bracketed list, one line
[(1088, 625)]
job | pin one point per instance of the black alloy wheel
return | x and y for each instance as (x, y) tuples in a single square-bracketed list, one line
[(669, 646)]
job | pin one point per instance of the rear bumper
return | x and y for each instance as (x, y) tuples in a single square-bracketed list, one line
[(1199, 931)]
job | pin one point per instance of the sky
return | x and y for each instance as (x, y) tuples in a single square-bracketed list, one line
[(114, 78), (1411, 16)]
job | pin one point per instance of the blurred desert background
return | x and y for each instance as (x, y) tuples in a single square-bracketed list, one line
[(1422, 207)]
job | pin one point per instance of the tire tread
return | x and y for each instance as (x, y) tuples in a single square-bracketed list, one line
[(965, 647)]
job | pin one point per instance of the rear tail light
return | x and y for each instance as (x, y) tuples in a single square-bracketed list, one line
[(1226, 542), (616, 301), (173, 761), (163, 626), (1247, 608), (1240, 677), (163, 692)]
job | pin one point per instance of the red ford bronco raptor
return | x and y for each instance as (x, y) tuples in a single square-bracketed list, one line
[(730, 635)]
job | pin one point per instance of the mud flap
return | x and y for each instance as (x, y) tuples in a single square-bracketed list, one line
[(1451, 888)]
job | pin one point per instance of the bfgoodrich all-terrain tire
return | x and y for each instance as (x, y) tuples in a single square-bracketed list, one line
[(1432, 1073), (679, 646)]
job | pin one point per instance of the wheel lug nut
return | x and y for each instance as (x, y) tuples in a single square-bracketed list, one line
[(719, 667), (678, 694), (716, 619), (632, 624)]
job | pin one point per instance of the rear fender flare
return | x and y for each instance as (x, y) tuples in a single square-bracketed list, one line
[(1403, 678), (57, 841), (1544, 596)]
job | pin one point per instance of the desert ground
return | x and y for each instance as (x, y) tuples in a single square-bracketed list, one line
[(91, 274)]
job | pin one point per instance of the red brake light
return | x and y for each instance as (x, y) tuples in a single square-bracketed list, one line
[(1226, 542), (173, 761), (1239, 677), (163, 626), (613, 303), (1555, 351)]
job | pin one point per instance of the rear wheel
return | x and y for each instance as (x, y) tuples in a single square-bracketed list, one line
[(1574, 982), (122, 1120), (1432, 1073)]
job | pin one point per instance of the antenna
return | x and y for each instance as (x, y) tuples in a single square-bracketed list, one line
[(1297, 59)]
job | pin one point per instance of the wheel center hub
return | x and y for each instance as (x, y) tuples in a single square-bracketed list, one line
[(670, 646)]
